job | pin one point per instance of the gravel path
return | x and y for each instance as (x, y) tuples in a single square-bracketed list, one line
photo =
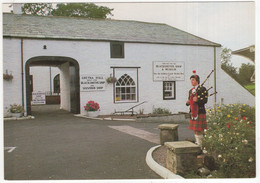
[(159, 155)]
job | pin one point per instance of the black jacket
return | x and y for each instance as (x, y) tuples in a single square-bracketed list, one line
[(202, 98)]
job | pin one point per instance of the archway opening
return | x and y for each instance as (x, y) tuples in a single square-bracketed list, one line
[(69, 90)]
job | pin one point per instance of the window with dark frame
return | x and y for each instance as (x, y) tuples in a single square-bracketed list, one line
[(169, 90), (117, 50), (56, 83)]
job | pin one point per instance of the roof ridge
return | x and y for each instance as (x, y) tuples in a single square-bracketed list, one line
[(83, 18)]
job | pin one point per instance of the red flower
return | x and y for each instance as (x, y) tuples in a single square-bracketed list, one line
[(229, 124), (244, 118), (236, 119), (92, 106), (194, 71)]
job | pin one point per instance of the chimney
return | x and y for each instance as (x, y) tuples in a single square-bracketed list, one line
[(17, 8)]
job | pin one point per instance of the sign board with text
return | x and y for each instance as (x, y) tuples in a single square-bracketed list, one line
[(38, 98), (92, 83), (168, 71)]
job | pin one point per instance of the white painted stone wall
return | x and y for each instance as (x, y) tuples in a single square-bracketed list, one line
[(94, 58), (229, 90), (41, 78), (233, 92), (65, 87), (12, 90)]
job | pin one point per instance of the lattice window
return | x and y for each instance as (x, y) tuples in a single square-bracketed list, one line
[(56, 83), (125, 89)]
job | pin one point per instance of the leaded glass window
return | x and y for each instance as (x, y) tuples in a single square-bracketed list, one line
[(125, 89)]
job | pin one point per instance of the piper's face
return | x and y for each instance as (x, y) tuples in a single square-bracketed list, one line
[(193, 82)]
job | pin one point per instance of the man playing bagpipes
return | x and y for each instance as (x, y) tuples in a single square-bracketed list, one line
[(198, 97)]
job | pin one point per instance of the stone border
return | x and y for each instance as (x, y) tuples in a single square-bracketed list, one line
[(108, 119), (176, 118), (20, 118), (173, 118), (157, 168)]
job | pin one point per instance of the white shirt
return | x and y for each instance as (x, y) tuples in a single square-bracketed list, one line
[(196, 87)]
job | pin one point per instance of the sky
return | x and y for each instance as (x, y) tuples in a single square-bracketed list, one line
[(231, 24)]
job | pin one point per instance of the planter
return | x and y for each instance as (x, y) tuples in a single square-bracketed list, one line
[(92, 114), (111, 80), (17, 115)]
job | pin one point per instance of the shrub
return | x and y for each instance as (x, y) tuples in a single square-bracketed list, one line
[(15, 108), (7, 77), (161, 111), (230, 138), (92, 106)]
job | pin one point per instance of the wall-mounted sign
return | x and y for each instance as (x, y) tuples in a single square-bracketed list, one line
[(92, 82), (38, 98), (168, 71)]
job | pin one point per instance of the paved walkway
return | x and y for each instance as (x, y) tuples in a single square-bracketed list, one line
[(58, 145)]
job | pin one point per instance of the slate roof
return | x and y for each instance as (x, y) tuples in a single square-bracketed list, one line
[(27, 26)]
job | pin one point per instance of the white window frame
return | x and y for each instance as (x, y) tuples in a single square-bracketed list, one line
[(118, 72), (171, 89), (126, 93)]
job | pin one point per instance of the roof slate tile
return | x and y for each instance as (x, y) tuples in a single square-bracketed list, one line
[(51, 27)]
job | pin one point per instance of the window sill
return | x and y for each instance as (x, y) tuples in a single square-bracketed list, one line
[(125, 101)]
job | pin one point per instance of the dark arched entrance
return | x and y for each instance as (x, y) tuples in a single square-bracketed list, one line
[(56, 61)]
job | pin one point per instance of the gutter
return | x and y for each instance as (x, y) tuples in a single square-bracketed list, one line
[(50, 81), (106, 40), (215, 79), (22, 73)]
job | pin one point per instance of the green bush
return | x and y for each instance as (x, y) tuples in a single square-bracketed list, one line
[(230, 138), (161, 111)]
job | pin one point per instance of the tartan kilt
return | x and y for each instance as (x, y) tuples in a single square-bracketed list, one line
[(199, 124)]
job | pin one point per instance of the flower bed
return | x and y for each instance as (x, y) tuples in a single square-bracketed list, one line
[(230, 139)]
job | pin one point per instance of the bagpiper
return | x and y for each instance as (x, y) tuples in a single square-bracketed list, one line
[(198, 97)]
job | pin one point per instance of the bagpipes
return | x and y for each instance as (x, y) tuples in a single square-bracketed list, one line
[(193, 105), (211, 86)]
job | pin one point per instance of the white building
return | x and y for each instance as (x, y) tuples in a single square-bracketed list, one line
[(152, 62), (47, 83)]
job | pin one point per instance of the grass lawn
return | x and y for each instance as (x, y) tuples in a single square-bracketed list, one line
[(250, 87)]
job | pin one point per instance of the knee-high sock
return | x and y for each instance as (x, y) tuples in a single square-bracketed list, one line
[(199, 140)]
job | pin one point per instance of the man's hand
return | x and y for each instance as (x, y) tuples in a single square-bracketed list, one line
[(188, 102), (195, 99)]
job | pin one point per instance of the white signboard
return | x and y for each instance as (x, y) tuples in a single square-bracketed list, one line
[(168, 71), (92, 82), (38, 98)]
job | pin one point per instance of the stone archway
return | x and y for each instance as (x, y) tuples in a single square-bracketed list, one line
[(73, 79)]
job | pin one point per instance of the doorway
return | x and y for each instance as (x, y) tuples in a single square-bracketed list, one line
[(70, 92)]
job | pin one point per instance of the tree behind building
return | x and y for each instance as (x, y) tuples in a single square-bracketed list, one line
[(88, 10)]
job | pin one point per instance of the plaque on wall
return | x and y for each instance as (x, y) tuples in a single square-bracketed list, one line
[(92, 82), (168, 71)]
